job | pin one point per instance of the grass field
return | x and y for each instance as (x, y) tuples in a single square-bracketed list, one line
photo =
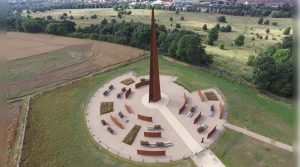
[(236, 150), (30, 66), (230, 59), (56, 125)]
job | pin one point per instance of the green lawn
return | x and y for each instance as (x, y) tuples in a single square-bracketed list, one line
[(37, 64), (57, 135), (230, 59), (235, 150)]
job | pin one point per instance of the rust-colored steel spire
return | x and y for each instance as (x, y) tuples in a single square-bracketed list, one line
[(154, 88)]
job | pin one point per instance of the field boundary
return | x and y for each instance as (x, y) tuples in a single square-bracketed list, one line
[(28, 100)]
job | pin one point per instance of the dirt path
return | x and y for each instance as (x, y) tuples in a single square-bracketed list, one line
[(260, 137)]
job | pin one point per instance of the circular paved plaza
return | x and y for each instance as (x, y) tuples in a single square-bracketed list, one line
[(179, 137)]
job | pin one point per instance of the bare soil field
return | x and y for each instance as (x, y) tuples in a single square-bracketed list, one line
[(72, 58), (21, 45)]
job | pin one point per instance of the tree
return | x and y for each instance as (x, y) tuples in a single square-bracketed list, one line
[(267, 22), (71, 17), (94, 16), (55, 28), (81, 17), (49, 17), (213, 34), (217, 26), (266, 37), (171, 18), (104, 22), (190, 49), (287, 31), (129, 13), (250, 60), (228, 28), (178, 25), (222, 46), (264, 68), (239, 41), (65, 14), (274, 23), (31, 25), (221, 19), (119, 15), (260, 20), (267, 31), (181, 18), (204, 27)]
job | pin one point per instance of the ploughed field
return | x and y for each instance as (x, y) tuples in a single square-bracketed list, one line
[(230, 59), (36, 60)]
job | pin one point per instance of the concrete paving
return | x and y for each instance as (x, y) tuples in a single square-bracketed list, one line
[(179, 129)]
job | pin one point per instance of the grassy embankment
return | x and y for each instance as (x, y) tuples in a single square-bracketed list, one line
[(57, 135)]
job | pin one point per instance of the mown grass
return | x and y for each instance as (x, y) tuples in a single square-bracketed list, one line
[(230, 59), (37, 64), (57, 136), (235, 150)]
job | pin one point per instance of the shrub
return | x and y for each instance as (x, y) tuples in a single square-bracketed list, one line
[(181, 18), (171, 18), (266, 37), (274, 23), (260, 20), (178, 25), (94, 16), (129, 13), (240, 40), (268, 31), (81, 17), (217, 26), (266, 22), (71, 17), (250, 60), (287, 31), (222, 46), (204, 27), (221, 19)]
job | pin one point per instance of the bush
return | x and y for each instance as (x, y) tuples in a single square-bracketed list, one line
[(260, 20), (94, 16), (204, 27), (32, 25), (181, 18), (266, 37), (171, 18), (287, 31), (213, 35), (221, 19), (217, 26), (266, 22), (49, 17), (274, 23), (268, 31), (71, 17), (250, 60), (178, 25), (239, 41), (222, 46), (81, 17), (129, 13)]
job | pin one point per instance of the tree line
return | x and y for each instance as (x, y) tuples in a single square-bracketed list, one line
[(180, 44)]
